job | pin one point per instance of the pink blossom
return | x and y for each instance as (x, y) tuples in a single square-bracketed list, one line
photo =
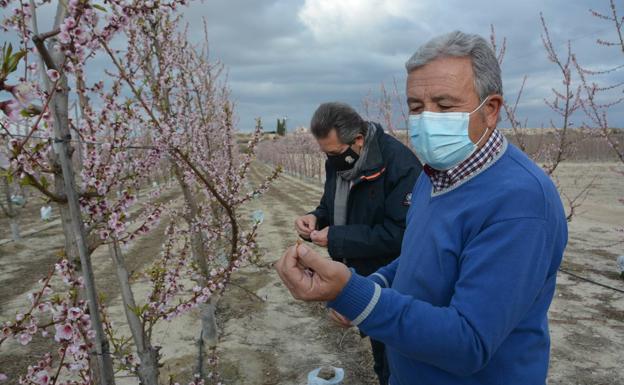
[(63, 332), (64, 37), (3, 377), (42, 377), (74, 313), (74, 349), (32, 328), (77, 366), (85, 321), (53, 75), (43, 306), (104, 234), (24, 93), (24, 338), (79, 33), (116, 224), (68, 24), (11, 109), (47, 116)]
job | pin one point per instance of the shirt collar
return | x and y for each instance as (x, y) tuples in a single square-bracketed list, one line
[(443, 179)]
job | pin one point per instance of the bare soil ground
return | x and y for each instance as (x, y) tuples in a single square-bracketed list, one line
[(274, 339), (587, 320)]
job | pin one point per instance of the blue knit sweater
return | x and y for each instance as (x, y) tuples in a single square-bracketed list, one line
[(467, 300)]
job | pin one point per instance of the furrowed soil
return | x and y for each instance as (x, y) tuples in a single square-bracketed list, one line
[(267, 337)]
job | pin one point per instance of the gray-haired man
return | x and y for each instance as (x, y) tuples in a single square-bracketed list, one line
[(467, 300)]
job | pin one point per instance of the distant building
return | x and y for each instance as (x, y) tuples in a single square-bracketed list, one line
[(301, 130)]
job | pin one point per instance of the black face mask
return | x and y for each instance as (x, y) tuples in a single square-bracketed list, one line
[(344, 161)]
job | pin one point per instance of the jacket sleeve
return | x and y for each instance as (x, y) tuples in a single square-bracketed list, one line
[(380, 240), (322, 212), (503, 271)]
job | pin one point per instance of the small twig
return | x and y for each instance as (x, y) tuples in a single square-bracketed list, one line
[(251, 293), (344, 334), (53, 197)]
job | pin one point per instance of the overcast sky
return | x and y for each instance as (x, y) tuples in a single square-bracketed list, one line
[(286, 57)]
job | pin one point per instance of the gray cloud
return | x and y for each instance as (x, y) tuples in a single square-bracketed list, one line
[(285, 57), (281, 64)]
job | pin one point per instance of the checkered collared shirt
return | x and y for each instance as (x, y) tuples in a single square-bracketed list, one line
[(442, 180)]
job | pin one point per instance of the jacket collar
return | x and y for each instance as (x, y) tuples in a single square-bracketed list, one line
[(374, 166)]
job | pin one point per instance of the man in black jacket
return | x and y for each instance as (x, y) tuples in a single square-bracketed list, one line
[(369, 176)]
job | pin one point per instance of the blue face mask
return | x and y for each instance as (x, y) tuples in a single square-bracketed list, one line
[(441, 139)]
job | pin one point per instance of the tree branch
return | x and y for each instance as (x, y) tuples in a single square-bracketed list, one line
[(39, 41)]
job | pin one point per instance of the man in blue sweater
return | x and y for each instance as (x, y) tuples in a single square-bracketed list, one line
[(466, 302)]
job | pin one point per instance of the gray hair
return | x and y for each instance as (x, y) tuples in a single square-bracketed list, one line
[(341, 117), (485, 67)]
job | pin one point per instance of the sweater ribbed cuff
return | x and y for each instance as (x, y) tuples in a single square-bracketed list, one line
[(357, 299), (380, 279)]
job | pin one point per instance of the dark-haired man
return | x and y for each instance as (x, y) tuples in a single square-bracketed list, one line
[(369, 179)]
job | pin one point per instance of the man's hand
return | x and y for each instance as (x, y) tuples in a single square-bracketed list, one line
[(339, 319), (311, 277), (319, 237), (305, 225)]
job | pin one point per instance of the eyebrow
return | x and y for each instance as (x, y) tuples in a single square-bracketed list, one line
[(448, 97), (334, 152)]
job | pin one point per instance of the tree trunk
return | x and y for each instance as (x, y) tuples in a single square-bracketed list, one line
[(71, 247), (15, 233), (59, 107), (77, 231), (10, 211), (209, 333), (83, 101), (197, 239), (148, 355)]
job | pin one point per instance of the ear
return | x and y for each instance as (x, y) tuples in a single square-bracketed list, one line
[(492, 109), (359, 141)]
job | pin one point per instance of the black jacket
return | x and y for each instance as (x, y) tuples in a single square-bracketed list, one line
[(376, 208)]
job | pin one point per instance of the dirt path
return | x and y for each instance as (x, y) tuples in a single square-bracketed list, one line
[(280, 340), (586, 320)]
